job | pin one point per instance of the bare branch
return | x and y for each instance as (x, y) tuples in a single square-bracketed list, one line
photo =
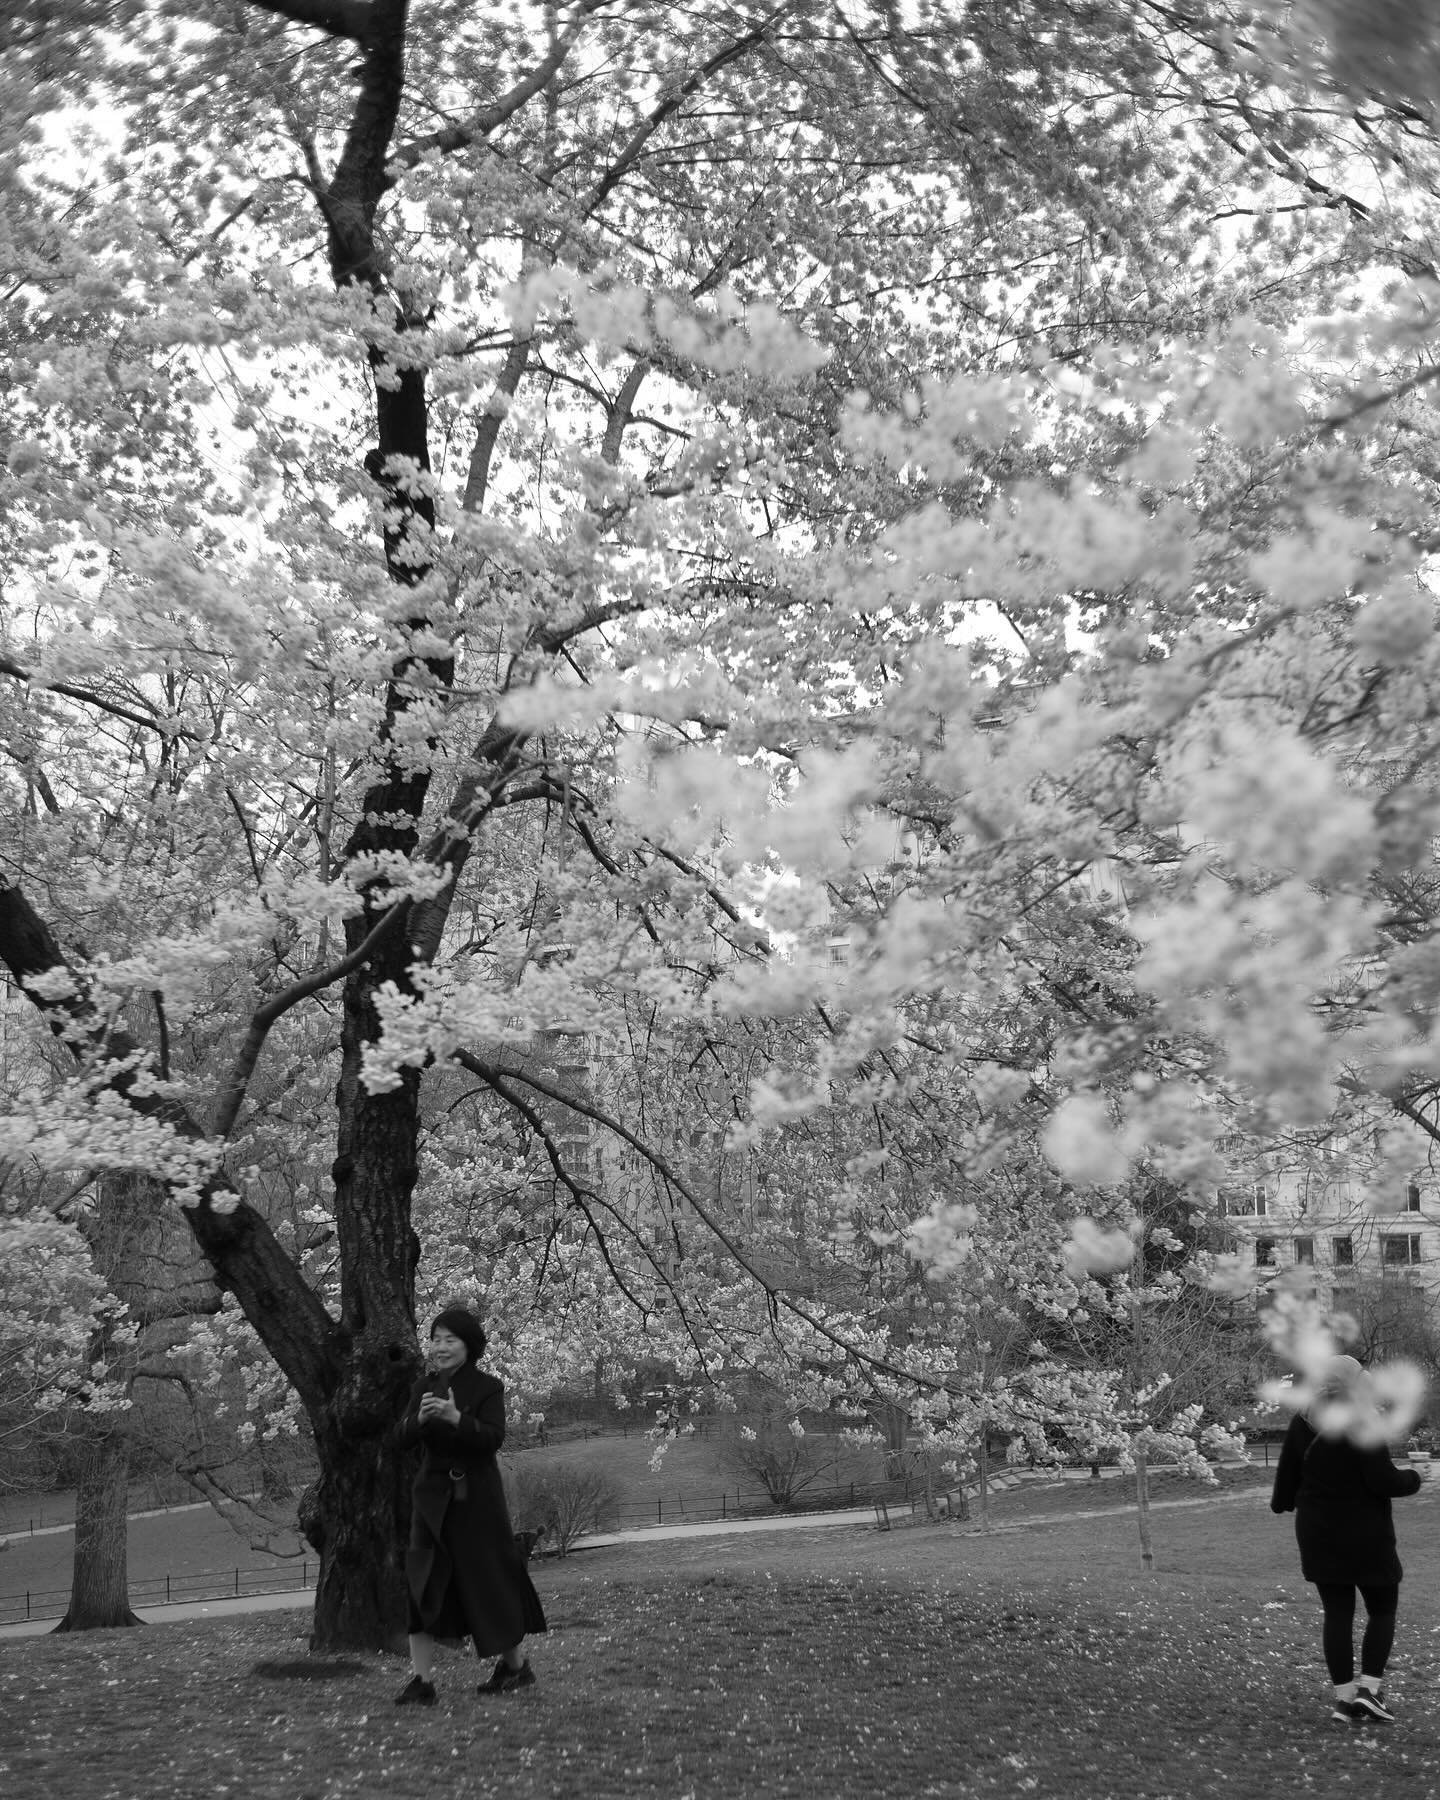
[(580, 1196), (247, 830), (461, 137), (672, 103), (1334, 422), (1412, 1112), (35, 775), (232, 1095), (499, 1078), (88, 697)]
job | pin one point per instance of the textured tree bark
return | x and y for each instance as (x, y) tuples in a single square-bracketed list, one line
[(100, 1589), (361, 1515), (360, 1504)]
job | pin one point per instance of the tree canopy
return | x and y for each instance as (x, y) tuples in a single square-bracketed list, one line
[(867, 564)]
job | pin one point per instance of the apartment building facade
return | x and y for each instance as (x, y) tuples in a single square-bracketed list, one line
[(1379, 1263)]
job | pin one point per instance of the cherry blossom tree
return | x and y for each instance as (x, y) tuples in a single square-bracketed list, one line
[(532, 521)]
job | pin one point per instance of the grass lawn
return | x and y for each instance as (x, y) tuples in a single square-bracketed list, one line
[(818, 1662), (693, 1474), (192, 1541)]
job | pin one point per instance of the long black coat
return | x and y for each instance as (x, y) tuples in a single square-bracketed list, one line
[(466, 1574), (1340, 1496)]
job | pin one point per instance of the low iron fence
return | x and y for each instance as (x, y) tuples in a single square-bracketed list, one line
[(169, 1590)]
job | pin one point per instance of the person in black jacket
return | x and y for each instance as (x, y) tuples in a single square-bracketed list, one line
[(1340, 1495), (466, 1574)]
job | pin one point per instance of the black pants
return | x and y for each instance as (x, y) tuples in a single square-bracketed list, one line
[(1338, 1599)]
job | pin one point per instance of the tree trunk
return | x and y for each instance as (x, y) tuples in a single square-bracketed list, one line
[(894, 1424), (361, 1500), (1142, 1496), (362, 1519), (100, 1590), (121, 1231), (983, 1480)]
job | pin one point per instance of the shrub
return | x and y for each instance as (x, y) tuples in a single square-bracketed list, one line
[(559, 1502), (785, 1460)]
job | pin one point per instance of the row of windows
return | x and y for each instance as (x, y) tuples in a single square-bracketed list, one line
[(1254, 1202), (1397, 1248)]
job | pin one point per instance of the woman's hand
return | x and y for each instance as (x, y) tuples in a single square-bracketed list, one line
[(438, 1406)]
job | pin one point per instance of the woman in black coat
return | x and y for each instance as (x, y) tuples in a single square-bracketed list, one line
[(1340, 1495), (466, 1574)]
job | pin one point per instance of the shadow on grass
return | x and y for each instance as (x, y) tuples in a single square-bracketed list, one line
[(309, 1668)]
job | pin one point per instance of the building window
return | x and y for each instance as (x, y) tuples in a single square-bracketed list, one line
[(1412, 1198), (1264, 1253), (1242, 1202), (1342, 1249), (1305, 1250), (1400, 1247)]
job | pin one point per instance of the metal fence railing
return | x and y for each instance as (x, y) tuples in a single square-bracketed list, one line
[(169, 1590), (682, 1509)]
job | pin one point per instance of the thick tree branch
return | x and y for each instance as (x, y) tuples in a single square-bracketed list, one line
[(477, 479), (351, 19), (620, 410), (239, 1245)]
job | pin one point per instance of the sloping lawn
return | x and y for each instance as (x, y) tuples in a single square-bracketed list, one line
[(814, 1663), (191, 1541)]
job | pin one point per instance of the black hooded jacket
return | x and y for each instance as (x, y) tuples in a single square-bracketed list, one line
[(1340, 1495)]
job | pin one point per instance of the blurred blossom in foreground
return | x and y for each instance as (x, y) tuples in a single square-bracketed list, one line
[(1230, 1274), (1092, 1250), (1370, 1407)]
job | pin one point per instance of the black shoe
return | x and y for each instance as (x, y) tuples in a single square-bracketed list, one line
[(416, 1693), (1349, 1712), (505, 1680), (1371, 1702)]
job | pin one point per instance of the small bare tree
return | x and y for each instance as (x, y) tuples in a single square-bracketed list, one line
[(559, 1502), (778, 1453)]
